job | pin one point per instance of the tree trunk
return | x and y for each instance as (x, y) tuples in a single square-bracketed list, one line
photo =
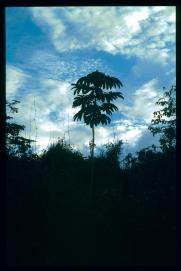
[(92, 164), (93, 142)]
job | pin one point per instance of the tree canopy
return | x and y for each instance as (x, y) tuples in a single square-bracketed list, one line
[(95, 103)]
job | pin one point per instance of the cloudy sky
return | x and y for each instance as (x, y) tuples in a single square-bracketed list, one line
[(48, 48)]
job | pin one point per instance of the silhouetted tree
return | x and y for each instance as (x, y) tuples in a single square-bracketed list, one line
[(16, 145), (164, 121), (95, 102)]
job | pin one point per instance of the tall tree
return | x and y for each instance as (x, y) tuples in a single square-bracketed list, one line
[(94, 102)]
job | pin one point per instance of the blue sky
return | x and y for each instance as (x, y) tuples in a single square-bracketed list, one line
[(48, 48)]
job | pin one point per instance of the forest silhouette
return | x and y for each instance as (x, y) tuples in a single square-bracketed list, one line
[(130, 219)]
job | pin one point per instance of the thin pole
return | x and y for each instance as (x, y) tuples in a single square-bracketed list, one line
[(93, 142), (92, 164), (68, 130), (35, 126)]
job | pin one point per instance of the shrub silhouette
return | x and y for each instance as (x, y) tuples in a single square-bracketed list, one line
[(131, 220)]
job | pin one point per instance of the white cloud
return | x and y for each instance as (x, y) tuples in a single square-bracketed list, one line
[(49, 126), (131, 136), (56, 98), (143, 103), (158, 8), (117, 30), (15, 79), (133, 21)]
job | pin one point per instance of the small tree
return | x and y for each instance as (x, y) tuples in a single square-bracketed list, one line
[(16, 145), (95, 103), (164, 121)]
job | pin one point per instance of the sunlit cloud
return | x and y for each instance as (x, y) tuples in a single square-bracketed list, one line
[(143, 103), (132, 32), (15, 79)]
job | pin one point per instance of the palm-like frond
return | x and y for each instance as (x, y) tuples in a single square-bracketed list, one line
[(82, 100), (112, 95), (100, 80), (84, 88), (100, 95), (92, 88), (78, 115), (108, 108), (96, 119)]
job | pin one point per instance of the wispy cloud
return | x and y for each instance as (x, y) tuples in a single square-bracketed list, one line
[(63, 67)]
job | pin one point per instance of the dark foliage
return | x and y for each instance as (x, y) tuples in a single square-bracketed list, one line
[(164, 121), (94, 101), (16, 145), (130, 220)]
